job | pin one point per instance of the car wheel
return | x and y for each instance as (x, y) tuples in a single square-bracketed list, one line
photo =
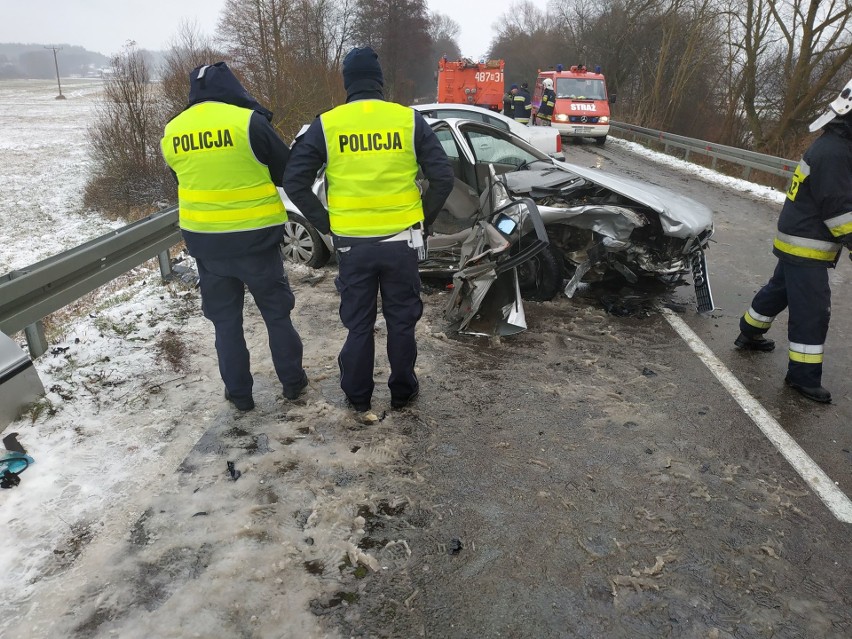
[(601, 140), (302, 243), (540, 278)]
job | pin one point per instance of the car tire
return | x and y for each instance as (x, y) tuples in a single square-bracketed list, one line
[(601, 140), (540, 278), (302, 243)]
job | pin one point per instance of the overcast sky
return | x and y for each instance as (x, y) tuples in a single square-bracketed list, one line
[(106, 25)]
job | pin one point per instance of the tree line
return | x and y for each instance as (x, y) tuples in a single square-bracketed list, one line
[(751, 75)]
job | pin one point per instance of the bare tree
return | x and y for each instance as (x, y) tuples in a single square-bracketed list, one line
[(189, 49), (528, 39), (287, 53), (129, 173), (444, 33), (399, 31)]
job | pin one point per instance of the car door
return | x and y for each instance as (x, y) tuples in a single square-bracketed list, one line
[(461, 206)]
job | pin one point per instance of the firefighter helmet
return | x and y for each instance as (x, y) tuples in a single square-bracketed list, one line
[(840, 106), (547, 83)]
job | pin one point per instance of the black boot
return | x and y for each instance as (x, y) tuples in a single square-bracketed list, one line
[(815, 393), (754, 343)]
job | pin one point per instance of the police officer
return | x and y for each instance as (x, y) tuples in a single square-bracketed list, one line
[(522, 103), (548, 102), (228, 161), (815, 221), (372, 150)]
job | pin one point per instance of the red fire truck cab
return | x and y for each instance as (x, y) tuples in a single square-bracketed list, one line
[(582, 102)]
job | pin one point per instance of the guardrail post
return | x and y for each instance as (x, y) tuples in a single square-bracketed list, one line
[(686, 155), (165, 264), (746, 172), (36, 339)]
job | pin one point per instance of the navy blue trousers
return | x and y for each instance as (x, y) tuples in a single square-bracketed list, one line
[(805, 290), (366, 269), (223, 283)]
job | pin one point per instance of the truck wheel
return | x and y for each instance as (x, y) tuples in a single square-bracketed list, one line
[(540, 278), (600, 141)]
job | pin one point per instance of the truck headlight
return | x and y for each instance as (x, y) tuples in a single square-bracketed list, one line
[(603, 119), (562, 117)]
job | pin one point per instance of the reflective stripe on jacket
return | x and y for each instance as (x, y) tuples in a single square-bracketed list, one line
[(806, 248), (223, 187), (548, 102), (372, 168), (816, 219)]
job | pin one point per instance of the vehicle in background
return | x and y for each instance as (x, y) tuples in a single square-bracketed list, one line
[(467, 82), (598, 225), (582, 102), (545, 139)]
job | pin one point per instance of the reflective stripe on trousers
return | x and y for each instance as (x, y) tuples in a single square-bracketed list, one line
[(805, 291)]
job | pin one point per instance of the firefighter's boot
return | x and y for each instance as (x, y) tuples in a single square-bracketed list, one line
[(754, 343), (815, 393)]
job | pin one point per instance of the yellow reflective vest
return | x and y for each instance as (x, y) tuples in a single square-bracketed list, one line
[(222, 186), (371, 169)]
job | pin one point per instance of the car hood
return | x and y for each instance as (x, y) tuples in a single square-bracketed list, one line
[(680, 216)]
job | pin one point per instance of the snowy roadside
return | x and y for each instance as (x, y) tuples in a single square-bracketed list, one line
[(130, 524)]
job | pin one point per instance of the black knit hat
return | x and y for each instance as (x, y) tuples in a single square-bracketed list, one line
[(361, 64)]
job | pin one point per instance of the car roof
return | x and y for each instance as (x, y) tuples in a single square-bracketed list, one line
[(459, 106)]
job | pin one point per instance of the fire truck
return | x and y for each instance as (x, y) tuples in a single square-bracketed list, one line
[(582, 102), (467, 82)]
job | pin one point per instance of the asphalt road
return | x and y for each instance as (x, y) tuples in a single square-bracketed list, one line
[(593, 478)]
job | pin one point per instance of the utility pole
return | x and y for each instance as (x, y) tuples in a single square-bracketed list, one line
[(56, 64)]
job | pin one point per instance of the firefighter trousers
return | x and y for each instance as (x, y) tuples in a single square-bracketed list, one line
[(806, 292), (364, 271), (223, 283)]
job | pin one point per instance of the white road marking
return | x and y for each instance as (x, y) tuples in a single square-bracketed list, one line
[(837, 502)]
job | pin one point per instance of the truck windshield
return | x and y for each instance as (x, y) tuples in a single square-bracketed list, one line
[(580, 89)]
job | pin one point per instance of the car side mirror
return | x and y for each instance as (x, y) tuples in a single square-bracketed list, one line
[(612, 98)]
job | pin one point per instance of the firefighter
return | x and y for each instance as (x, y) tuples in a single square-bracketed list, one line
[(548, 102), (522, 103), (372, 150), (815, 222), (228, 161)]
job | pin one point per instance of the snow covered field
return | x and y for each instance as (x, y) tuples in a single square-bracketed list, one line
[(128, 523), (44, 160)]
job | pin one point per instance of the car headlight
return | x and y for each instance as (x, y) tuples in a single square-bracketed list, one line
[(562, 117), (603, 119)]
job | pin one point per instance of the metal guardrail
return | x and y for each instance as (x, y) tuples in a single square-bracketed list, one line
[(30, 294), (747, 159)]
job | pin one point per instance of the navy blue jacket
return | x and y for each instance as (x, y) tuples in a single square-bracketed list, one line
[(218, 84), (824, 194), (309, 155), (522, 104)]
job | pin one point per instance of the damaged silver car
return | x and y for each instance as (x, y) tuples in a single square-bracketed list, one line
[(599, 225), (520, 224)]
